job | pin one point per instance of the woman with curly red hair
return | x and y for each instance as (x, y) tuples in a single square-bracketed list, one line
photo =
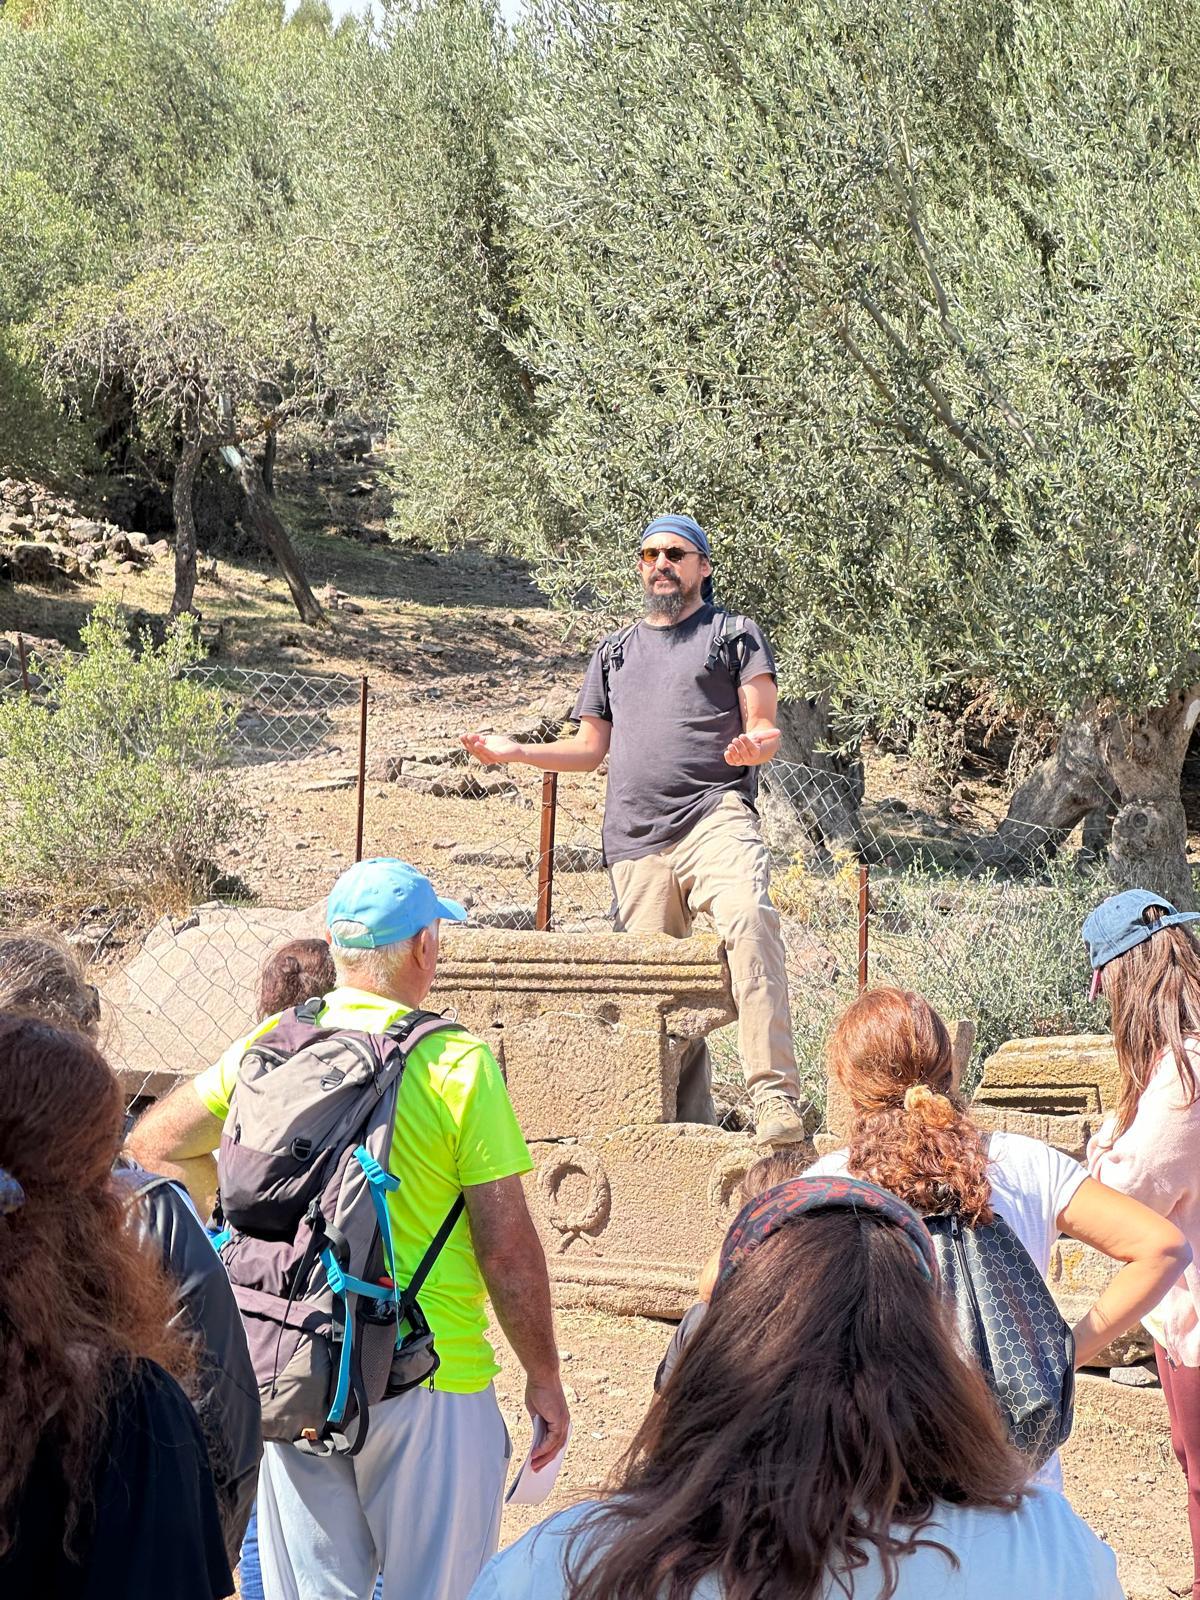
[(911, 1133), (105, 1487)]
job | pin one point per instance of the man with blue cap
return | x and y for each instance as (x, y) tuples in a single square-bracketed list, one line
[(423, 1499), (682, 703)]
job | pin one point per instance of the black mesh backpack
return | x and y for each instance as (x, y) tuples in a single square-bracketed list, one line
[(1006, 1316)]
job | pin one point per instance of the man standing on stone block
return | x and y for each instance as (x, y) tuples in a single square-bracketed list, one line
[(683, 704)]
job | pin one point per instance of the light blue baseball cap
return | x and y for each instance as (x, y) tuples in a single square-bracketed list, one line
[(1119, 924), (384, 901)]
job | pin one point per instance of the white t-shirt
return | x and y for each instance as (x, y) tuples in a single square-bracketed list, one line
[(1040, 1551), (1032, 1183)]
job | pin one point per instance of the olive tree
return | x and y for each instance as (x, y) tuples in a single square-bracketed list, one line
[(897, 301)]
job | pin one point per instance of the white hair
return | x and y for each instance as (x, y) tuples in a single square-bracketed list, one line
[(372, 970)]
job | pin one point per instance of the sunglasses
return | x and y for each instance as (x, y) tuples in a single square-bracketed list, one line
[(674, 554)]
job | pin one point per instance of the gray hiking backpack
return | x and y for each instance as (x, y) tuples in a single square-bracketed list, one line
[(303, 1182)]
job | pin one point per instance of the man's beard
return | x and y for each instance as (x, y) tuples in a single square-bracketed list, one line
[(670, 604)]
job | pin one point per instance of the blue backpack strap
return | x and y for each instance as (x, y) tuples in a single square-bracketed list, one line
[(380, 1183)]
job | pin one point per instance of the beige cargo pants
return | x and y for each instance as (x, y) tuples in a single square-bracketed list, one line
[(721, 867)]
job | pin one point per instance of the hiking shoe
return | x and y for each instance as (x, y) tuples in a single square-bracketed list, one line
[(778, 1119)]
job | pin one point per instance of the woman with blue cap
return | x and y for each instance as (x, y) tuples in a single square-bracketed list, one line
[(1146, 963)]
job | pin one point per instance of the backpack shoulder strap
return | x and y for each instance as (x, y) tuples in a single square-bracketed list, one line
[(417, 1025), (728, 643), (436, 1245), (612, 649)]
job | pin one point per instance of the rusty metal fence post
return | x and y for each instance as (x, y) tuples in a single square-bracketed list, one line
[(545, 866), (362, 771), (864, 924)]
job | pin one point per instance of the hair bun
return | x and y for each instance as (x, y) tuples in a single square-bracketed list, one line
[(933, 1109)]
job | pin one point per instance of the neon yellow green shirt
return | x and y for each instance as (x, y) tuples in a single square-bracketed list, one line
[(455, 1126)]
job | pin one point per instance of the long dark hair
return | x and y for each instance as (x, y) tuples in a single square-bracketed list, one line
[(911, 1131), (80, 1300), (1153, 993), (821, 1411)]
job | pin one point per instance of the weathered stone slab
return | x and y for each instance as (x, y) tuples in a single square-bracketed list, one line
[(1069, 1133), (191, 990), (629, 1217), (1071, 1075), (590, 1028)]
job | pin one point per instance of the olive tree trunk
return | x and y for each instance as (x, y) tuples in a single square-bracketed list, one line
[(1145, 752), (1072, 785), (270, 449), (186, 467), (264, 519)]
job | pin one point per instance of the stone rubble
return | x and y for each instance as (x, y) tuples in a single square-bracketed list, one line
[(44, 539)]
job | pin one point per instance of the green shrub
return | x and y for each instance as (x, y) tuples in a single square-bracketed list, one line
[(110, 778), (1005, 955)]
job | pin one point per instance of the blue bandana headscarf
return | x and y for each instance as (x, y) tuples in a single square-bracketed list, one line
[(684, 527)]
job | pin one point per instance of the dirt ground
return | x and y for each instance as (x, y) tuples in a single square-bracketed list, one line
[(455, 641)]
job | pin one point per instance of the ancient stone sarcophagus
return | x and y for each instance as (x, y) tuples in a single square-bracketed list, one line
[(590, 1029)]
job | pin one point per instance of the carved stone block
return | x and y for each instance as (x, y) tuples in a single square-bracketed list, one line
[(629, 1217), (590, 1028), (1071, 1075)]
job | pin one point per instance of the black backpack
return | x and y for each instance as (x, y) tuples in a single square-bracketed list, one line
[(303, 1181), (727, 645), (1006, 1316)]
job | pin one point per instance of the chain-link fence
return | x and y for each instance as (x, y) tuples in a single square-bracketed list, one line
[(988, 934), (944, 910), (284, 716), (1001, 950)]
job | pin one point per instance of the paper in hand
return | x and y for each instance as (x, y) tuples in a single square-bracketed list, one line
[(530, 1488)]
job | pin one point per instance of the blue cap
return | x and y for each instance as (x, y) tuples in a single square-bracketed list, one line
[(384, 901), (1119, 923)]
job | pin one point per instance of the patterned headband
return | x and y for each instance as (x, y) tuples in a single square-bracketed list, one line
[(12, 1196), (775, 1208)]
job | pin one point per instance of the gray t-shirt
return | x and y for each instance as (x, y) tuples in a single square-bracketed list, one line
[(671, 721)]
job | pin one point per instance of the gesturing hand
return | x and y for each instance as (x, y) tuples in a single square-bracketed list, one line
[(491, 748), (752, 749)]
